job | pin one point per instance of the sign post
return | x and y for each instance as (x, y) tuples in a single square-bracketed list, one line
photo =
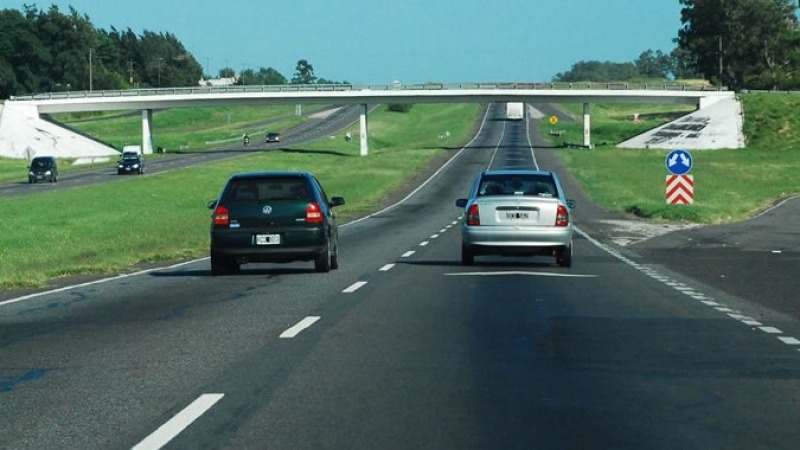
[(679, 184)]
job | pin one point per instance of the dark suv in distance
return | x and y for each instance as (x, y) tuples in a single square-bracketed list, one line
[(43, 168), (130, 162), (273, 217)]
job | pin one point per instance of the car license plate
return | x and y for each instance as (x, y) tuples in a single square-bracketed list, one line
[(268, 239), (517, 215)]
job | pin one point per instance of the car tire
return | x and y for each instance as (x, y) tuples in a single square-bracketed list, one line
[(564, 258), (323, 261), (335, 257), (467, 256)]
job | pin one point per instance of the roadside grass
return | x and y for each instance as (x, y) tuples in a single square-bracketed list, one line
[(612, 124), (181, 130), (730, 185), (187, 129), (115, 227)]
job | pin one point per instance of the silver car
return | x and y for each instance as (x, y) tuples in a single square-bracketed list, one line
[(516, 213)]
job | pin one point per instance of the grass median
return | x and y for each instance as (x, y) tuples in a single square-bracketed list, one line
[(115, 227)]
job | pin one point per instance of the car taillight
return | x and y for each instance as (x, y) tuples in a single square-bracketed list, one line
[(313, 213), (562, 216), (473, 215), (221, 216)]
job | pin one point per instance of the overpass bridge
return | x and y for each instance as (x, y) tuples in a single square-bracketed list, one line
[(147, 100)]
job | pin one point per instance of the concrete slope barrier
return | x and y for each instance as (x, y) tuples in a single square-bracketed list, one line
[(23, 134), (716, 126)]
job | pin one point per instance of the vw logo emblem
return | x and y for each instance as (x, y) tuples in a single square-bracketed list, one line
[(267, 210)]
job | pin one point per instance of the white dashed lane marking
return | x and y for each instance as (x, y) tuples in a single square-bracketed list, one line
[(408, 253), (177, 424), (387, 268), (354, 287), (300, 326)]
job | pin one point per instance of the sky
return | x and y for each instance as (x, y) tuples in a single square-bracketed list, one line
[(411, 41)]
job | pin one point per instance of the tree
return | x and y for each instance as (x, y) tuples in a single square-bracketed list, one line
[(596, 71), (652, 64), (304, 73), (741, 43)]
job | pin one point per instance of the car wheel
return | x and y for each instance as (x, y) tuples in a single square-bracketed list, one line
[(467, 256), (335, 257), (323, 261), (564, 258)]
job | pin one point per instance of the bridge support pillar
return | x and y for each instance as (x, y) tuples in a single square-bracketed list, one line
[(147, 131), (364, 132), (587, 125)]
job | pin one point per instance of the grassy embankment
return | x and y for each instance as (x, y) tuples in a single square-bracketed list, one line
[(183, 130), (730, 184), (113, 227)]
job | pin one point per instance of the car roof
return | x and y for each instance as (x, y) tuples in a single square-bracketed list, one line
[(269, 174), (517, 172)]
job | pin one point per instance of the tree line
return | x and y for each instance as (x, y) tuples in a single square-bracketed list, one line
[(52, 51), (740, 44)]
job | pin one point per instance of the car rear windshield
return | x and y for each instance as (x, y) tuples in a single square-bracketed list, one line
[(535, 185), (269, 190), (43, 162)]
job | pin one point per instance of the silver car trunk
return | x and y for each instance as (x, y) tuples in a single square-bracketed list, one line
[(517, 210)]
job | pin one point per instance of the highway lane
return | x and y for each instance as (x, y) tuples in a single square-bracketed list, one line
[(312, 129), (404, 348)]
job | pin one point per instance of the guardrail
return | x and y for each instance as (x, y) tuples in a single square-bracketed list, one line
[(350, 87)]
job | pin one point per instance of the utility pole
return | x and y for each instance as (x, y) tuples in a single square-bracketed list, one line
[(720, 59), (91, 52)]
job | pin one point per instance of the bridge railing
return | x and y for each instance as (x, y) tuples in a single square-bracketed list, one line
[(350, 87)]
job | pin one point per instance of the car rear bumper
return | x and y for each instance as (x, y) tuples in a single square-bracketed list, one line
[(299, 245), (516, 237)]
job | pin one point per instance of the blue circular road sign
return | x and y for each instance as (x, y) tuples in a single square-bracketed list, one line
[(679, 162)]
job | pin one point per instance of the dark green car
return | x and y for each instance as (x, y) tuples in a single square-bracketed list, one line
[(273, 217), (43, 168)]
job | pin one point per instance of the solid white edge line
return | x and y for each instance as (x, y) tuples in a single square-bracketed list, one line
[(299, 326), (103, 280), (178, 423), (354, 287)]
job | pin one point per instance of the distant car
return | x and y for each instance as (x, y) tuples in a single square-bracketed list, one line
[(516, 213), (130, 162), (43, 168), (273, 217), (272, 137)]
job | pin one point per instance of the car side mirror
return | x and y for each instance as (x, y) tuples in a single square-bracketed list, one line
[(571, 203), (337, 201), (461, 203), (212, 204)]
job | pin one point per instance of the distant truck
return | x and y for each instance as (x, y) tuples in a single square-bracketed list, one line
[(515, 111), (137, 149)]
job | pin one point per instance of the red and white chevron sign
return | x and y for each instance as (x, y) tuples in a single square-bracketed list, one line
[(680, 189)]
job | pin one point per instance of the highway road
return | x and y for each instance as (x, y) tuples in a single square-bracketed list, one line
[(316, 127), (403, 347)]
